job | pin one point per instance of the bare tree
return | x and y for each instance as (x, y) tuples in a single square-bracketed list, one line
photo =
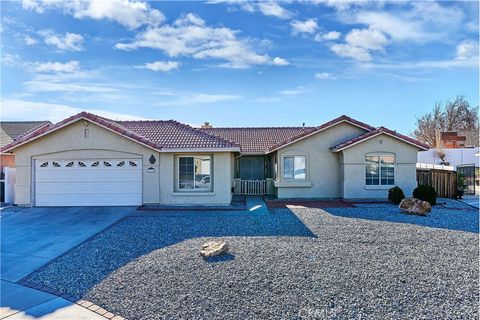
[(453, 116)]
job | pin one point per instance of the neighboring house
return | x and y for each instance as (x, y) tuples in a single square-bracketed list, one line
[(456, 139), (10, 131), (90, 160)]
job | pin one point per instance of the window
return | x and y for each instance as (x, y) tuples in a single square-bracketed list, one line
[(380, 170), (194, 173), (294, 167), (132, 164)]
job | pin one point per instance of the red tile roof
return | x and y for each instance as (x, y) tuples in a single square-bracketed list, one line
[(380, 130), (328, 124), (168, 135), (257, 140), (154, 134), (265, 140), (175, 135)]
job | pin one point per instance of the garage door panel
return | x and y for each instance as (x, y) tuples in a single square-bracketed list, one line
[(81, 188), (89, 200), (115, 182), (88, 175)]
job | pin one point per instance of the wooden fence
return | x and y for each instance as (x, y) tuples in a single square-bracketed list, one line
[(444, 182)]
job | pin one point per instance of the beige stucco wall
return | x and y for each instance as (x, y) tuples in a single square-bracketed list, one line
[(322, 165), (70, 143), (222, 182), (354, 167)]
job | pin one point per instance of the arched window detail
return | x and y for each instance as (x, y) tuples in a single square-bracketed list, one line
[(121, 164), (56, 164), (81, 164), (44, 165), (70, 164), (95, 164), (107, 164), (132, 164)]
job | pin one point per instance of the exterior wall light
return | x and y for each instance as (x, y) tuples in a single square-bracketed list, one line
[(152, 159)]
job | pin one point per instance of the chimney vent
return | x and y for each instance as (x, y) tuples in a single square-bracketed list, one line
[(206, 125)]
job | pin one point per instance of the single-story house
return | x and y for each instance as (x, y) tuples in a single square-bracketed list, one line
[(91, 160)]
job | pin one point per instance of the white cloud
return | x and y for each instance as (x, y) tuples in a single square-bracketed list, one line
[(280, 61), (293, 92), (129, 13), (161, 66), (427, 64), (187, 98), (67, 42), (332, 35), (56, 67), (18, 110), (29, 40), (342, 5), (273, 9), (367, 38), (467, 50), (267, 8), (58, 86), (359, 43), (399, 28), (189, 19), (190, 36), (348, 51), (307, 26), (434, 13), (324, 76)]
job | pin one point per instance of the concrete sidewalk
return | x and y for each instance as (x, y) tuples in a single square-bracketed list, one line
[(32, 237), (19, 302)]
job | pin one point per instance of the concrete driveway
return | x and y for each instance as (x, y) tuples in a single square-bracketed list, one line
[(32, 237)]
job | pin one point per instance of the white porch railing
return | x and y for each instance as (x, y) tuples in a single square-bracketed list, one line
[(253, 187)]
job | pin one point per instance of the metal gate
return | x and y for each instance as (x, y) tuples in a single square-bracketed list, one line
[(468, 170)]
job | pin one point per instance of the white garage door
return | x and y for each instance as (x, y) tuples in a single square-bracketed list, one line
[(95, 182)]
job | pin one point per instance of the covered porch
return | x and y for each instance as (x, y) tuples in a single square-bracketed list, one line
[(254, 174)]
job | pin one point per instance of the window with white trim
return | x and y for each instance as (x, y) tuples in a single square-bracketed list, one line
[(294, 167), (195, 173), (380, 170)]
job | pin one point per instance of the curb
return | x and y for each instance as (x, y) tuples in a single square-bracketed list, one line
[(74, 299)]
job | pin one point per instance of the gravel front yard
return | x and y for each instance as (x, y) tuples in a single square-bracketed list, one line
[(304, 264)]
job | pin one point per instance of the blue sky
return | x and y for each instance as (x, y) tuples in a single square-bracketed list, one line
[(237, 63)]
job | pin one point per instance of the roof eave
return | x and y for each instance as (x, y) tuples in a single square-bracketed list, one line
[(275, 148), (199, 150), (420, 147), (82, 117)]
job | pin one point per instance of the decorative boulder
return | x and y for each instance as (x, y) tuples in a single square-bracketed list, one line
[(213, 248), (415, 206)]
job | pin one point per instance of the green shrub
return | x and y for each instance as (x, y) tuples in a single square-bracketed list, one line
[(425, 193), (461, 185), (395, 195)]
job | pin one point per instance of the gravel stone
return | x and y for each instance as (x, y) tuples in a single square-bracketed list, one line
[(291, 264)]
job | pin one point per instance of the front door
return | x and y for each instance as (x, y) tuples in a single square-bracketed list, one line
[(252, 168)]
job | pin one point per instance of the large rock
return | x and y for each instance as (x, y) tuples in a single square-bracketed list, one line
[(415, 206), (213, 248)]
